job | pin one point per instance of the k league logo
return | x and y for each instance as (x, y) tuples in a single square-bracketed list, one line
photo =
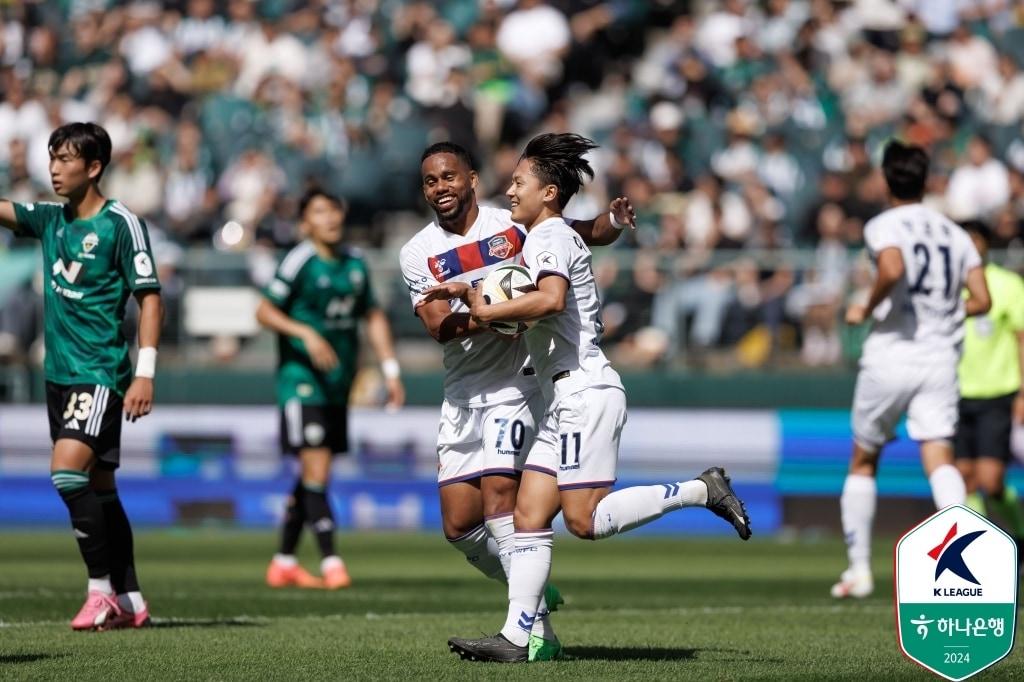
[(956, 593)]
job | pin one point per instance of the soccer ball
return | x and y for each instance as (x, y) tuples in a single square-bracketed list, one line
[(504, 284)]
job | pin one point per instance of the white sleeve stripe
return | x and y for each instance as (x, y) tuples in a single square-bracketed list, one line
[(295, 259), (138, 240)]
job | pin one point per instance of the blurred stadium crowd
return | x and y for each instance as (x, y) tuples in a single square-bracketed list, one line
[(744, 132)]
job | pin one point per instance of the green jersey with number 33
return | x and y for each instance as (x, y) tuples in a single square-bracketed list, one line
[(90, 267), (329, 295)]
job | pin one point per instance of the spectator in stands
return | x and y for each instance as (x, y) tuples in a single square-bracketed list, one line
[(980, 187)]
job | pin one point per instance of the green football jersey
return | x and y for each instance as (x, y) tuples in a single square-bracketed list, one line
[(331, 296), (90, 267)]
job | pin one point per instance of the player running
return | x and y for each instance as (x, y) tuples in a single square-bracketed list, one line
[(320, 292), (492, 402), (990, 392), (909, 360), (96, 253), (572, 465)]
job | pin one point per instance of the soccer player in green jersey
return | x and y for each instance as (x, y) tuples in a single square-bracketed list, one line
[(990, 391), (318, 296), (96, 254)]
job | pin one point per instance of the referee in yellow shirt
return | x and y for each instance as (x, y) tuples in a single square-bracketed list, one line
[(990, 391)]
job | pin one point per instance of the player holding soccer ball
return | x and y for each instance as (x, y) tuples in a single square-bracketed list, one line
[(572, 465), (909, 362), (492, 402), (96, 254), (320, 292)]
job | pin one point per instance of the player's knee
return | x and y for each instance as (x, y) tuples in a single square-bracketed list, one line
[(580, 525), (500, 499), (455, 528)]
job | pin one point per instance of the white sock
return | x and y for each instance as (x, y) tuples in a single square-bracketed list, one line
[(131, 602), (286, 560), (630, 508), (474, 545), (857, 507), (329, 562), (101, 585), (947, 486), (531, 566), (502, 530)]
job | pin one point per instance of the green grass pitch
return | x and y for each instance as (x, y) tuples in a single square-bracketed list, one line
[(643, 608)]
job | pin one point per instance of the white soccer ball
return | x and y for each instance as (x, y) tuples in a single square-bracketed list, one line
[(504, 284)]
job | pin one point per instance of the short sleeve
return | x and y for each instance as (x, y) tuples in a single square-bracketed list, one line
[(416, 273), (33, 218), (280, 290), (546, 252), (879, 236), (134, 256)]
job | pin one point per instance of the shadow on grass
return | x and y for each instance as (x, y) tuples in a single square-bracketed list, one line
[(11, 659), (204, 623), (634, 653)]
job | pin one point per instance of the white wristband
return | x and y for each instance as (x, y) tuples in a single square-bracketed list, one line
[(390, 368), (615, 223), (146, 365)]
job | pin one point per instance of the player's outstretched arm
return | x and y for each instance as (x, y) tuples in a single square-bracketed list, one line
[(602, 231), (547, 300), (378, 331), (320, 352), (7, 217), (138, 400), (890, 271)]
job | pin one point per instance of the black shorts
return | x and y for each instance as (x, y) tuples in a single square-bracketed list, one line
[(314, 426), (984, 429), (88, 413)]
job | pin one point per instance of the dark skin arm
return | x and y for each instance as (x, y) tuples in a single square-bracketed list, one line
[(444, 325)]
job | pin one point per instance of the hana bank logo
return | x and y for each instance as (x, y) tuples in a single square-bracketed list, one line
[(949, 556)]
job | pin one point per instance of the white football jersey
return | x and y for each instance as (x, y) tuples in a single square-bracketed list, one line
[(482, 369), (569, 341), (922, 320)]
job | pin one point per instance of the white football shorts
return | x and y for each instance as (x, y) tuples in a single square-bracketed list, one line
[(578, 442), (928, 394), (481, 441)]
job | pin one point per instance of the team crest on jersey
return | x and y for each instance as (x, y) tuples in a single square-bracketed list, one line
[(90, 241), (500, 247), (323, 282), (356, 277)]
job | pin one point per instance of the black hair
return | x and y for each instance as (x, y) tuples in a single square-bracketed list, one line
[(557, 159), (457, 150), (979, 228), (89, 141), (906, 170), (313, 193)]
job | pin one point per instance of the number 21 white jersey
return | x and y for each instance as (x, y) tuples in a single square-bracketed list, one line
[(922, 319)]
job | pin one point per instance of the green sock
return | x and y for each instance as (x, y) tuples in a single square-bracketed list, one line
[(1008, 509), (975, 502)]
